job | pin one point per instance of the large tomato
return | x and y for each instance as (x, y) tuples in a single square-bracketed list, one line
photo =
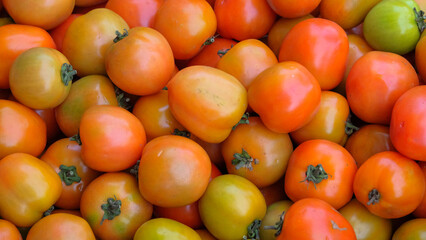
[(414, 229), (293, 8), (8, 231), (165, 229), (137, 13)]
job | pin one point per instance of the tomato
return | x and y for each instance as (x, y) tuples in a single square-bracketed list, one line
[(137, 13), (207, 102), (16, 39), (375, 82), (28, 134), (45, 14), (113, 206), (407, 129), (214, 152), (112, 138), (88, 38), (210, 54), (58, 33), (391, 26), (293, 8), (186, 24), (420, 211), (230, 204), (246, 60), (29, 188), (420, 60), (164, 229), (84, 10), (292, 90), (257, 153), (188, 214), (274, 193), (422, 4), (321, 46), (51, 78), (312, 218), (366, 225), (88, 3), (174, 158), (413, 229), (61, 226), (329, 122), (141, 63), (8, 231), (384, 184), (73, 212), (274, 213), (52, 128), (346, 13), (205, 235)]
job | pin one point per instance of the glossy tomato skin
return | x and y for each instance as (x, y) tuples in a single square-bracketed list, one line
[(15, 39), (141, 63), (30, 188), (243, 19), (137, 13), (207, 102), (205, 235), (273, 214), (163, 229), (8, 231), (186, 24), (292, 90), (321, 46), (28, 134), (52, 128), (413, 229), (209, 55), (188, 214), (88, 38), (392, 199), (420, 59), (366, 225), (58, 33), (134, 210), (274, 193), (293, 8), (312, 218), (420, 211), (218, 206), (375, 82), (61, 226), (407, 129)]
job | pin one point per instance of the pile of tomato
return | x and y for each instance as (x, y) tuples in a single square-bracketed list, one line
[(217, 119)]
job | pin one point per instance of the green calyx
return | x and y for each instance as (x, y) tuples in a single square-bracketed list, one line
[(253, 230), (420, 19), (244, 159), (111, 209), (244, 120), (76, 138), (315, 174), (222, 52), (181, 133), (278, 225), (120, 36), (210, 40), (68, 174), (67, 73), (122, 99), (349, 127)]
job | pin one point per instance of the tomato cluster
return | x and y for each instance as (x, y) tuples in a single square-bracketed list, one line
[(217, 119)]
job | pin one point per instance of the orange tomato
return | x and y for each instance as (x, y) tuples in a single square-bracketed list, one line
[(58, 33), (137, 13), (52, 128), (8, 231), (205, 235), (293, 8), (210, 54)]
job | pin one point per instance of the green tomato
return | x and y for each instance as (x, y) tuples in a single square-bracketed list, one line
[(165, 229), (414, 229), (274, 214), (391, 26)]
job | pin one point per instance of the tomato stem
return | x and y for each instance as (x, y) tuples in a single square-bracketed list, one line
[(278, 225), (244, 120), (135, 169), (122, 99), (120, 35), (243, 159), (350, 127), (68, 174), (111, 209), (224, 51), (67, 73), (181, 133), (373, 197), (210, 40), (76, 138), (315, 174), (253, 230), (420, 19), (49, 211)]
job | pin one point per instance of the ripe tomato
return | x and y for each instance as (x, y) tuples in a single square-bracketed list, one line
[(243, 19), (52, 128), (137, 13), (61, 226), (8, 231), (28, 134), (293, 92), (413, 229), (321, 46), (64, 156), (205, 235), (73, 212), (293, 8), (188, 214), (88, 38), (58, 33), (16, 39), (209, 55), (274, 213), (207, 102), (420, 59), (407, 128), (366, 225), (246, 60), (230, 204), (164, 229), (420, 211), (214, 152), (186, 24), (328, 166), (274, 193), (29, 188), (141, 63), (45, 14), (50, 76), (384, 184), (257, 153)]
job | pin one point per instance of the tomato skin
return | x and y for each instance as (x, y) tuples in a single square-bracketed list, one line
[(36, 187), (407, 130), (420, 59), (209, 56), (207, 102), (276, 87), (28, 134), (137, 13), (413, 229), (186, 24), (274, 193), (321, 46), (58, 33), (312, 218), (88, 38), (229, 205), (375, 82), (141, 63), (16, 39), (88, 3), (61, 226), (366, 225), (163, 229), (293, 8), (8, 231), (205, 235), (273, 214), (73, 212), (246, 60), (397, 198), (243, 19), (420, 211), (52, 128), (67, 152), (188, 214)]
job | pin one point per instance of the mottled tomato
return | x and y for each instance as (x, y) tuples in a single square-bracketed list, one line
[(113, 206), (414, 229), (210, 54), (164, 229), (293, 92), (58, 33), (61, 226), (384, 184), (8, 231), (274, 213), (293, 8), (407, 128), (137, 13)]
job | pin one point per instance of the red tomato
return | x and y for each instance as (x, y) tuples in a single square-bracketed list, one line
[(321, 46), (274, 193), (52, 128), (188, 214), (293, 8), (58, 33), (210, 55), (8, 231), (137, 13)]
